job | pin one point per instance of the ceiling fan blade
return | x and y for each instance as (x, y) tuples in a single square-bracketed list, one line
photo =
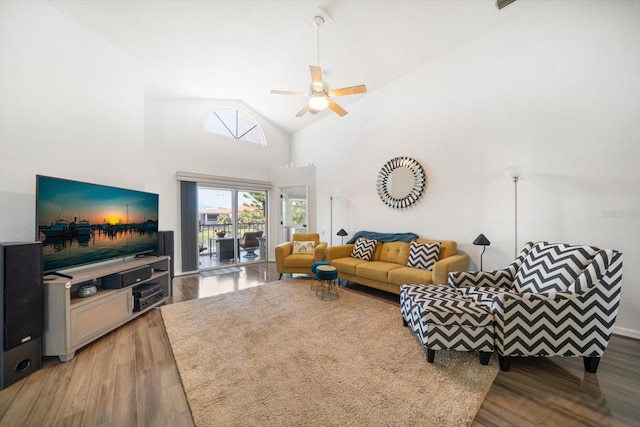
[(316, 73), (289, 92), (337, 109), (303, 110), (352, 90)]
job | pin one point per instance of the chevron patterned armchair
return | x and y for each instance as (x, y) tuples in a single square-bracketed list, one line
[(553, 300)]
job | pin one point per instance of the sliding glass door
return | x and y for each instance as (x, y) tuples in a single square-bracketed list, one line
[(232, 226), (252, 224)]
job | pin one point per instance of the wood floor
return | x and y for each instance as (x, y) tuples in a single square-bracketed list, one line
[(129, 378)]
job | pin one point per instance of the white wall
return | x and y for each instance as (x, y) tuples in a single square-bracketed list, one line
[(556, 91), (176, 141), (72, 106)]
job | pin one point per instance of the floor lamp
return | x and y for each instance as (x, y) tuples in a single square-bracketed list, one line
[(331, 219), (515, 184), (515, 172)]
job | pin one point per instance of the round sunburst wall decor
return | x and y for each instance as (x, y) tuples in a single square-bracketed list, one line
[(401, 182)]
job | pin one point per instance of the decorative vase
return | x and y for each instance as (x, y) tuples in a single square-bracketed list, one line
[(87, 291)]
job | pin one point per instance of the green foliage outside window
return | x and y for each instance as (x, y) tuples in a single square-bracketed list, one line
[(298, 211), (256, 202)]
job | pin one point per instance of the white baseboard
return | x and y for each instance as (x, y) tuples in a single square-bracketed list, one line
[(626, 332)]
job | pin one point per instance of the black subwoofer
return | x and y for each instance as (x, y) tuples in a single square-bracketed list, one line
[(22, 306)]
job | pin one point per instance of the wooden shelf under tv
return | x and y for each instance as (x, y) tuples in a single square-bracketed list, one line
[(72, 322)]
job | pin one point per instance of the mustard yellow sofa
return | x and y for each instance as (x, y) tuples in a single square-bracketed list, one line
[(288, 262), (387, 270)]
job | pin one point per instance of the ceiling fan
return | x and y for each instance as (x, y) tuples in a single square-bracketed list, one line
[(319, 93)]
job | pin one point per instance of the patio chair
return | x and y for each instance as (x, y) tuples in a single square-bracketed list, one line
[(250, 242)]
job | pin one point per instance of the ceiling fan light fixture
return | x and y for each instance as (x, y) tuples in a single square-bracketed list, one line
[(318, 102)]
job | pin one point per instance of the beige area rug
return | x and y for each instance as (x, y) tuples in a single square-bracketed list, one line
[(277, 355)]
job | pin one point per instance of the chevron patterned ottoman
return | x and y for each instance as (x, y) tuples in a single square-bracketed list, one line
[(443, 319)]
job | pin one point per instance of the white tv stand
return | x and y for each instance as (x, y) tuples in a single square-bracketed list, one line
[(71, 322)]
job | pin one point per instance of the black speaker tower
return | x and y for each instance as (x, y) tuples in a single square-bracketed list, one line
[(165, 247), (22, 310)]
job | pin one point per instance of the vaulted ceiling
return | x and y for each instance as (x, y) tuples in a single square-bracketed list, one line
[(241, 49)]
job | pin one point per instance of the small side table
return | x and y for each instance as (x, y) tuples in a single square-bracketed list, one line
[(326, 275), (314, 266)]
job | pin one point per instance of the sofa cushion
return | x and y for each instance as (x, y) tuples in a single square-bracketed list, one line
[(423, 255), (552, 267), (363, 249), (394, 252), (347, 265), (403, 275), (298, 260), (375, 270), (303, 247), (482, 295)]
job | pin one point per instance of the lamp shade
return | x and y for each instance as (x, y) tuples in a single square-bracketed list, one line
[(342, 232), (481, 240)]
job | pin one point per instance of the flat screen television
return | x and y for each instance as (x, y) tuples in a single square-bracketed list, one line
[(81, 223)]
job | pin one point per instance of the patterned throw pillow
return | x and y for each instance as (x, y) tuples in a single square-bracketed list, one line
[(302, 247), (364, 248), (552, 267), (423, 255)]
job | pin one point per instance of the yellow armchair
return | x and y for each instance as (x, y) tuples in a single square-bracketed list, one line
[(288, 262)]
